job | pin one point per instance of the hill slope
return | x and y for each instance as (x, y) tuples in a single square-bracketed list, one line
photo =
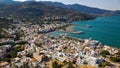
[(36, 9)]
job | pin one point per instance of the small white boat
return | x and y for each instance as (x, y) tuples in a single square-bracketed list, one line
[(63, 34), (89, 26)]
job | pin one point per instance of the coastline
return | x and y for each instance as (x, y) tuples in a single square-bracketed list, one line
[(69, 28), (100, 32)]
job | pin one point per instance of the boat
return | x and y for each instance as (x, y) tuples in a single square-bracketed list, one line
[(89, 26), (63, 34)]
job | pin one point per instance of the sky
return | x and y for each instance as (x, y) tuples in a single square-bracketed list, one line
[(103, 4)]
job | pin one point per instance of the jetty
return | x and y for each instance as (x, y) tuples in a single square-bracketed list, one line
[(77, 32)]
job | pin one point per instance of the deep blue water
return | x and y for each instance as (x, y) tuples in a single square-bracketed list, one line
[(104, 29)]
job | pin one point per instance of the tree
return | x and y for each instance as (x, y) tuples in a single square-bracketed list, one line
[(12, 54), (56, 65), (65, 48), (115, 59), (70, 65), (103, 64), (104, 53)]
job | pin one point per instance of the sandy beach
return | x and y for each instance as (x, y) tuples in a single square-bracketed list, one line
[(69, 28)]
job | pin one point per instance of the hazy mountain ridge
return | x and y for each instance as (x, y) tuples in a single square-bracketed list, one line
[(38, 9), (77, 7), (8, 2), (84, 9)]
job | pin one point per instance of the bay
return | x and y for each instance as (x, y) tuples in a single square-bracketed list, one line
[(103, 29)]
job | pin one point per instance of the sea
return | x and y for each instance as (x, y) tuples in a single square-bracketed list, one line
[(103, 29)]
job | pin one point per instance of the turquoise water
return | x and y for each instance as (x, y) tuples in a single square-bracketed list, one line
[(104, 29)]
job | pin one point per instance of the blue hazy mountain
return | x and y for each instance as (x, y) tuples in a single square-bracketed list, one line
[(77, 7), (7, 2), (84, 9)]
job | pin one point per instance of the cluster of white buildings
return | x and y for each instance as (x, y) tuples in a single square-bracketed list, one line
[(41, 48), (55, 18), (63, 49)]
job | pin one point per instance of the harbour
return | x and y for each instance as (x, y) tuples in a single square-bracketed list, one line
[(102, 29)]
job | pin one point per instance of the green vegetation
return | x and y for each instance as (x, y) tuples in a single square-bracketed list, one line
[(103, 64), (65, 48), (4, 23), (70, 65), (115, 59), (29, 55), (38, 44), (6, 43), (18, 35), (104, 53), (56, 65), (13, 53), (25, 65), (4, 34), (65, 62)]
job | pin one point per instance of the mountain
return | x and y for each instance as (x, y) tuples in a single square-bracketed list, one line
[(38, 9), (84, 9), (76, 7), (7, 2)]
